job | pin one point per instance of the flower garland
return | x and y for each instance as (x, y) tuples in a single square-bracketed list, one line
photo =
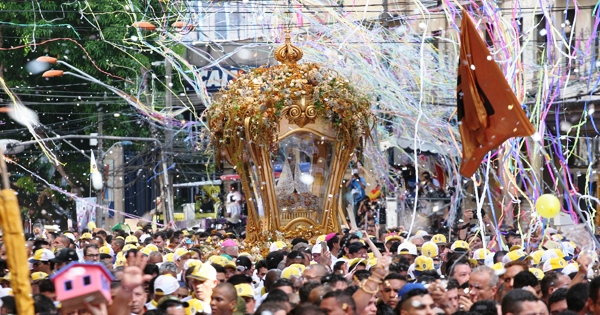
[(263, 93)]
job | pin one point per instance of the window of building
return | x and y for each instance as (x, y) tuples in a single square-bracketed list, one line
[(87, 280), (68, 285)]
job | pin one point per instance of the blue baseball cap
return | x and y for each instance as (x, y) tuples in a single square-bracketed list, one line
[(411, 287)]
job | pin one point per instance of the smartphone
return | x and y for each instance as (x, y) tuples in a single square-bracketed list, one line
[(188, 241), (483, 215), (380, 246), (359, 234)]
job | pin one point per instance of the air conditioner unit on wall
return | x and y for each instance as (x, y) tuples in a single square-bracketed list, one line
[(391, 214), (563, 220)]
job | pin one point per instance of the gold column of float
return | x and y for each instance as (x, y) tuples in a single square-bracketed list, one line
[(253, 222), (267, 190), (342, 159), (262, 162), (319, 160)]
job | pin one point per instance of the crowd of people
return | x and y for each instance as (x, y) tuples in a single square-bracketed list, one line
[(346, 273)]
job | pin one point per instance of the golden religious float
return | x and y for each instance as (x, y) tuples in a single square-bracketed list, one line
[(302, 120)]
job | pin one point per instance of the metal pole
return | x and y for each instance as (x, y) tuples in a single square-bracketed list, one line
[(169, 200), (166, 156), (100, 213), (169, 216)]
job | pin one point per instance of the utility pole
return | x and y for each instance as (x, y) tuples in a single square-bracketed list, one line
[(169, 216), (100, 194)]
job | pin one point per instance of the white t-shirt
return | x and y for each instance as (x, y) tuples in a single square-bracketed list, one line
[(79, 252), (234, 207), (150, 306)]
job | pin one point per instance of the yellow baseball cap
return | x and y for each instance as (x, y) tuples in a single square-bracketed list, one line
[(390, 238), (169, 257), (37, 276), (278, 245), (6, 277), (537, 256), (538, 273), (86, 236), (515, 247), (42, 254), (146, 251), (230, 264), (180, 252), (559, 252), (551, 245), (356, 261), (191, 263), (204, 272), (481, 253), (372, 262), (498, 268), (515, 255), (104, 250), (430, 249), (219, 260), (131, 239), (423, 263), (120, 262), (244, 290), (421, 233), (460, 246), (554, 263), (152, 247), (194, 306), (552, 253), (439, 239), (128, 247), (245, 254), (293, 270)]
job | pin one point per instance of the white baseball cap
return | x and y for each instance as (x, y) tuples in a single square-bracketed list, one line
[(42, 254), (144, 237), (408, 248), (316, 249), (570, 268), (167, 284), (568, 249)]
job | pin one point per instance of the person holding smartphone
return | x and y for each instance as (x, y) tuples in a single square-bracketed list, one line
[(234, 205), (357, 185)]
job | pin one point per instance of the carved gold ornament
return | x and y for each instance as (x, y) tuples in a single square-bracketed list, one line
[(300, 113), (288, 53)]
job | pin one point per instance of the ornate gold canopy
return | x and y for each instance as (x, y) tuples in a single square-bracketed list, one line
[(306, 121)]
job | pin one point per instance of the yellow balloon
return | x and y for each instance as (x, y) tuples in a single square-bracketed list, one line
[(547, 206)]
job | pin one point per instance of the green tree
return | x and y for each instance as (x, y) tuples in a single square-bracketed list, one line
[(96, 37)]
